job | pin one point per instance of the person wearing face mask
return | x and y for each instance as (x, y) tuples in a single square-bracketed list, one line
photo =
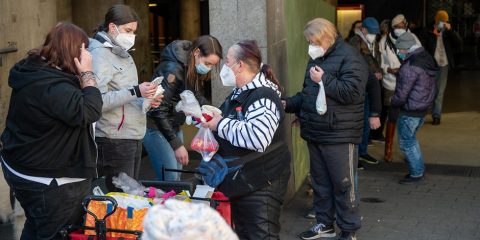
[(365, 42), (390, 63), (333, 137), (414, 94), (247, 134), (184, 66), (441, 42), (120, 131)]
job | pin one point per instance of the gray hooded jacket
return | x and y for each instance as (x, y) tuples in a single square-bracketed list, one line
[(122, 116)]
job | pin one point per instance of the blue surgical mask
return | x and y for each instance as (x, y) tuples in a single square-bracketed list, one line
[(202, 69), (402, 55)]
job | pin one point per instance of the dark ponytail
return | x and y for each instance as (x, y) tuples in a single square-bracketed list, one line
[(118, 14), (249, 52)]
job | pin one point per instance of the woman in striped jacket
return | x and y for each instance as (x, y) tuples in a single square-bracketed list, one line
[(250, 118)]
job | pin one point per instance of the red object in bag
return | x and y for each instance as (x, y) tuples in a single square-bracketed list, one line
[(204, 143), (223, 206)]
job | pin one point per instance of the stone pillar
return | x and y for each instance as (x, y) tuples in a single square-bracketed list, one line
[(234, 20), (189, 19), (24, 25)]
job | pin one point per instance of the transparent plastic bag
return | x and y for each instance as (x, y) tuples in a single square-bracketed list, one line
[(321, 103), (189, 105), (128, 184), (208, 111), (147, 102), (204, 143)]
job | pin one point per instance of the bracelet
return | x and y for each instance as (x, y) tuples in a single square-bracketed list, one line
[(82, 74)]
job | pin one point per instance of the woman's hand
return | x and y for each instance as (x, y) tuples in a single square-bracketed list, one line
[(147, 89), (374, 122), (284, 104), (212, 124), (316, 74), (156, 102), (181, 154), (85, 62)]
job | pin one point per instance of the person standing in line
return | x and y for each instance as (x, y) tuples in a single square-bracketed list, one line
[(184, 66), (49, 153), (365, 42), (390, 64), (333, 137), (414, 94), (120, 130), (441, 42)]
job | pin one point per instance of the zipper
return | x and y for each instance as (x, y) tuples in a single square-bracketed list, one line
[(96, 148)]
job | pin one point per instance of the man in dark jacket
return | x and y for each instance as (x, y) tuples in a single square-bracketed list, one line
[(440, 42), (414, 93), (332, 136), (364, 41)]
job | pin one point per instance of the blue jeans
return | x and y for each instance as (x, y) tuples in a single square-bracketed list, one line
[(363, 147), (442, 76), (407, 137), (161, 154)]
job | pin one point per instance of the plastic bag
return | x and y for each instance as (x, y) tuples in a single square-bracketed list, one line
[(208, 111), (189, 105), (204, 143), (128, 185), (147, 102), (321, 103)]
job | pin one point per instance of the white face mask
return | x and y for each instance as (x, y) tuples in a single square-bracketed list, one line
[(371, 38), (125, 40), (440, 25), (228, 76), (399, 31), (315, 51)]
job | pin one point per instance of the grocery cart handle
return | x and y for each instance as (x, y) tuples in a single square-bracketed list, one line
[(87, 200)]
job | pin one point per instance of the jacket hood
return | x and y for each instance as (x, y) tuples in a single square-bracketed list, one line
[(422, 59), (177, 51), (33, 69)]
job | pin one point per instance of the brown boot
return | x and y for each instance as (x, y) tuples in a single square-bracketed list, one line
[(390, 133)]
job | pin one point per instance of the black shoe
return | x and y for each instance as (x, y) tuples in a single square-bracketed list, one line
[(360, 166), (436, 121), (318, 231), (311, 214), (347, 236), (410, 180), (380, 138), (368, 159)]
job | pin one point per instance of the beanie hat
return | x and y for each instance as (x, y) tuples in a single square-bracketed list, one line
[(441, 15), (405, 41), (371, 24), (398, 19)]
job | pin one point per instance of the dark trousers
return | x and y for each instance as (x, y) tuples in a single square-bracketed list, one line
[(333, 168), (257, 215), (118, 155), (48, 208)]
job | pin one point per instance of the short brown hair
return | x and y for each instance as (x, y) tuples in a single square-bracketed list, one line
[(322, 30), (61, 46)]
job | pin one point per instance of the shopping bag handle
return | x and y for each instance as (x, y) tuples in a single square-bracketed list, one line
[(87, 200)]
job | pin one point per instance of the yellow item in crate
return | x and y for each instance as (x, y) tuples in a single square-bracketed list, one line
[(129, 214)]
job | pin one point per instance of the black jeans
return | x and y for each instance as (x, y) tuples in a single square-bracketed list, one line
[(333, 168), (48, 208), (257, 215), (118, 155)]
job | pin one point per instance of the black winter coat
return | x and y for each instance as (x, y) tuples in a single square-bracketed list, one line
[(451, 41), (345, 78), (415, 89), (48, 129), (165, 118)]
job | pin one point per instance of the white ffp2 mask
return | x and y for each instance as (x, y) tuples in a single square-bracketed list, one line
[(315, 51), (228, 76), (125, 40)]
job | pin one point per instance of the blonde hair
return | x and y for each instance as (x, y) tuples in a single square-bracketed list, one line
[(321, 30)]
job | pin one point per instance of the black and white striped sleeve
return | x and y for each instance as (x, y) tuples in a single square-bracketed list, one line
[(256, 131)]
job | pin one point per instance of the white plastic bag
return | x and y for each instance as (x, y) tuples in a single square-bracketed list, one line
[(189, 105), (147, 102), (321, 103), (204, 143)]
